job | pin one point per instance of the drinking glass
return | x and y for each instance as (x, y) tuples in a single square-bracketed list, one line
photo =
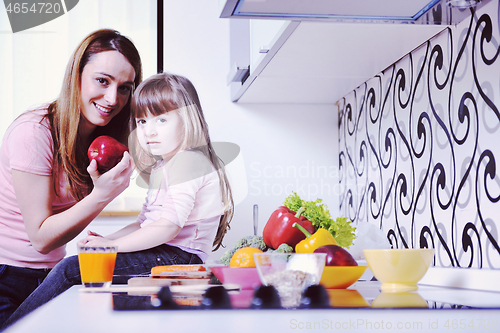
[(97, 264)]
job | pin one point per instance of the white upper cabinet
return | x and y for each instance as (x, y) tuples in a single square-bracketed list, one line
[(315, 60), (263, 35), (254, 43)]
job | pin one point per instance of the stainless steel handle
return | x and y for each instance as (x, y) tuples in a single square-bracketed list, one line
[(255, 219)]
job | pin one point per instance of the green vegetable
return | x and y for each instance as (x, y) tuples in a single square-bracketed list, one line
[(342, 231), (253, 241), (318, 214), (283, 248)]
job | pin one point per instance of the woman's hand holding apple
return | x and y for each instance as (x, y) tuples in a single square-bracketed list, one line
[(109, 185)]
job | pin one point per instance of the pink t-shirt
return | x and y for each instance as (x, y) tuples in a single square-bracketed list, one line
[(186, 192), (27, 146)]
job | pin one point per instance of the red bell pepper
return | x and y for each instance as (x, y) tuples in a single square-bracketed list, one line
[(279, 230)]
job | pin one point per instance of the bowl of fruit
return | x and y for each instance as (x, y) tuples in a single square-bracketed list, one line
[(241, 269), (341, 270)]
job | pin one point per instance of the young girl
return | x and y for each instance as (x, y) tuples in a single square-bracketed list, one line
[(189, 203), (188, 188)]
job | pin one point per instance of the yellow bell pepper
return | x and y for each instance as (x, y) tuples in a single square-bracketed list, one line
[(313, 241)]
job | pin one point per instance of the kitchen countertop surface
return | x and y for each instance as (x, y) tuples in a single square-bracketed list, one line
[(444, 309)]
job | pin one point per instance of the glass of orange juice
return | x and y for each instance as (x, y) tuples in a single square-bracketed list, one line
[(97, 264)]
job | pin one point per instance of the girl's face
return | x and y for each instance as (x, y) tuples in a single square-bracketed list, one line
[(160, 135), (106, 84)]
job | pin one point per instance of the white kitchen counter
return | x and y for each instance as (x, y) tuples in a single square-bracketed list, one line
[(76, 311)]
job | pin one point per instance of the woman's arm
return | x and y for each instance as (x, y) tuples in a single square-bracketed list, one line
[(35, 194), (149, 236)]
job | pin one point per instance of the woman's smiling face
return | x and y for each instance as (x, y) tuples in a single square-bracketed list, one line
[(106, 85), (160, 135)]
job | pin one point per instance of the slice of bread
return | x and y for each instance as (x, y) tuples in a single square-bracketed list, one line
[(157, 270)]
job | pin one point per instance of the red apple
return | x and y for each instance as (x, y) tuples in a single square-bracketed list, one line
[(336, 256), (106, 151)]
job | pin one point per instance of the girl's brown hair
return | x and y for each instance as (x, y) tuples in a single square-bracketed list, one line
[(70, 150), (166, 92)]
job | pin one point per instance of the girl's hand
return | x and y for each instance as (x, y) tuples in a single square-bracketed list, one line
[(110, 184), (91, 233), (92, 240), (90, 236)]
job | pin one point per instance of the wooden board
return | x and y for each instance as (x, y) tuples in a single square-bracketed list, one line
[(195, 289)]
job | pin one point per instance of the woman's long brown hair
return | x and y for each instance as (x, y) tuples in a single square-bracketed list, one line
[(70, 150)]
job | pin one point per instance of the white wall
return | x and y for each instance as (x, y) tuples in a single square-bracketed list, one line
[(285, 147)]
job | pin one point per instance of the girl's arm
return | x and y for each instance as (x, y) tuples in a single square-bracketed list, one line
[(149, 236), (125, 231), (120, 233), (35, 194)]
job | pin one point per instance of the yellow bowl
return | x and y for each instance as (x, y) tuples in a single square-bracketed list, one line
[(399, 269), (346, 298), (340, 277), (399, 300)]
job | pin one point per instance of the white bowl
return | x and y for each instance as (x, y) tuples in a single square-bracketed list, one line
[(290, 273)]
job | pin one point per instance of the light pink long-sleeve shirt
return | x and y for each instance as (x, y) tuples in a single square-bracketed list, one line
[(27, 146), (194, 203)]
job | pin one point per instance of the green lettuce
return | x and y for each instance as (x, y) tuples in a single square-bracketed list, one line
[(317, 212)]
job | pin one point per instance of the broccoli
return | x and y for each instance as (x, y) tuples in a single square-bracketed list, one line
[(253, 241), (283, 248)]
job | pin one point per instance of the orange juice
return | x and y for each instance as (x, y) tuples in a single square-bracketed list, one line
[(96, 268)]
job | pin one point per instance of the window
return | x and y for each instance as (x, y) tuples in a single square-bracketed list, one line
[(33, 61)]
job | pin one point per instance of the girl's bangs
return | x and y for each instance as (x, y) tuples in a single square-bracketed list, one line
[(153, 100)]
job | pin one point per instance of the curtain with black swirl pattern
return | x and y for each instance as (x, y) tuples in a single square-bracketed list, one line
[(419, 144)]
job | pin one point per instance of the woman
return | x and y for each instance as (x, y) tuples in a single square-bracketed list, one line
[(50, 193)]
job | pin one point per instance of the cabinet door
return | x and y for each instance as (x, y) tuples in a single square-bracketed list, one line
[(253, 44), (263, 35)]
